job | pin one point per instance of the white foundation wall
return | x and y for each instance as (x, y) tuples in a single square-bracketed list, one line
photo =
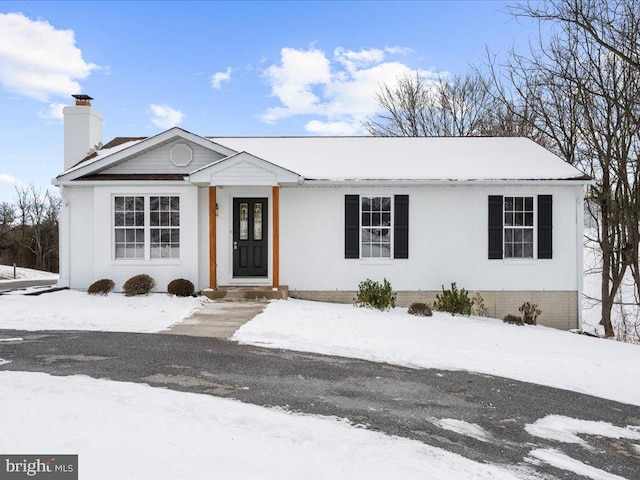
[(448, 241), (92, 224)]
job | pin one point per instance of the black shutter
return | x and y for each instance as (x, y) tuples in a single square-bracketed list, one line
[(401, 226), (351, 226), (495, 227), (545, 226)]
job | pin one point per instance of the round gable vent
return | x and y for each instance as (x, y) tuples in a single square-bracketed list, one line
[(181, 155)]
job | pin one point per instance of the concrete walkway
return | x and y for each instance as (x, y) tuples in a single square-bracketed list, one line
[(217, 319)]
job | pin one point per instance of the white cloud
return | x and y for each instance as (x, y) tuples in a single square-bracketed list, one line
[(164, 116), (39, 61), (353, 60), (293, 80), (52, 112), (8, 180), (398, 50), (218, 78), (333, 128), (341, 91)]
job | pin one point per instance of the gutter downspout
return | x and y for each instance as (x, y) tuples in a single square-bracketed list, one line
[(580, 251)]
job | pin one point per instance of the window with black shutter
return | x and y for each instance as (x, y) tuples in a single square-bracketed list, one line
[(376, 224)]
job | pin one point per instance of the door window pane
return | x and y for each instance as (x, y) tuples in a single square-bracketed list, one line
[(244, 221), (257, 221)]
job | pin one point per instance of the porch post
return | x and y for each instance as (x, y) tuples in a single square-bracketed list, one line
[(213, 280), (275, 198)]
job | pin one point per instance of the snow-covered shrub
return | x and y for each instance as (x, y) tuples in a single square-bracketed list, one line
[(513, 319), (530, 312), (372, 294), (101, 287), (419, 310), (138, 285), (453, 301), (181, 287)]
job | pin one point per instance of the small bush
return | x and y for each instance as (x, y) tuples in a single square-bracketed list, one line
[(101, 287), (373, 295), (453, 301), (419, 309), (138, 285), (530, 312), (479, 309), (513, 319), (181, 287)]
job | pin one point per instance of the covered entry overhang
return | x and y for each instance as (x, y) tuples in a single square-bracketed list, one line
[(244, 219)]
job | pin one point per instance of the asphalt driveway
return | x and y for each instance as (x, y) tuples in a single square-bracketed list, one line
[(394, 400)]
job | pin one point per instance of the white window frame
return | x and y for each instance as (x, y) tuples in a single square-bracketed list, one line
[(361, 227), (147, 230), (533, 227)]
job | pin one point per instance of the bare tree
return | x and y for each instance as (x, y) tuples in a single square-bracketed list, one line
[(416, 106), (38, 226), (584, 95)]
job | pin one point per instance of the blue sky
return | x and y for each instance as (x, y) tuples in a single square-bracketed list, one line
[(221, 68)]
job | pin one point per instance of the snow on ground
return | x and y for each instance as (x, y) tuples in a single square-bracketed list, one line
[(534, 354), (558, 459), (463, 428), (4, 362), (125, 430), (566, 429), (74, 310), (6, 273)]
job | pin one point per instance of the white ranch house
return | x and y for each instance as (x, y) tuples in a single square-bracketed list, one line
[(498, 216)]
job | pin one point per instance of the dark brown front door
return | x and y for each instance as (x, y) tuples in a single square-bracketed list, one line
[(250, 239)]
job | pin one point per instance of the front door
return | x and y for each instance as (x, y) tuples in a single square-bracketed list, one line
[(250, 240)]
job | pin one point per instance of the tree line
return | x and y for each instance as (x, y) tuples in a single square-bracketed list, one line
[(29, 230), (575, 91)]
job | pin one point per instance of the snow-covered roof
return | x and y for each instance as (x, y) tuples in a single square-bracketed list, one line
[(367, 158), (408, 158)]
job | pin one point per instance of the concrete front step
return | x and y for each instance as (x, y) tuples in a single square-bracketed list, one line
[(243, 294)]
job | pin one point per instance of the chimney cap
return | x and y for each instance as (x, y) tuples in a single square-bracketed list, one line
[(82, 99)]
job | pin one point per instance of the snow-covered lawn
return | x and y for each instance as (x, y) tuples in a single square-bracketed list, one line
[(74, 310), (536, 354), (127, 431), (6, 273)]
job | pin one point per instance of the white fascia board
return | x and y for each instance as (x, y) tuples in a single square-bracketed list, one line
[(203, 174), (110, 160), (393, 182)]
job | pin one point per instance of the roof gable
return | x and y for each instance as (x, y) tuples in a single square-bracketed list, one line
[(243, 169), (122, 157)]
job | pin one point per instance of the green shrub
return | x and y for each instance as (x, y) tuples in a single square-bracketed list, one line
[(513, 319), (180, 287), (453, 301), (138, 285), (530, 312), (101, 287), (419, 309), (373, 295)]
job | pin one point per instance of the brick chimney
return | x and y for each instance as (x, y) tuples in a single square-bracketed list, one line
[(82, 130)]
